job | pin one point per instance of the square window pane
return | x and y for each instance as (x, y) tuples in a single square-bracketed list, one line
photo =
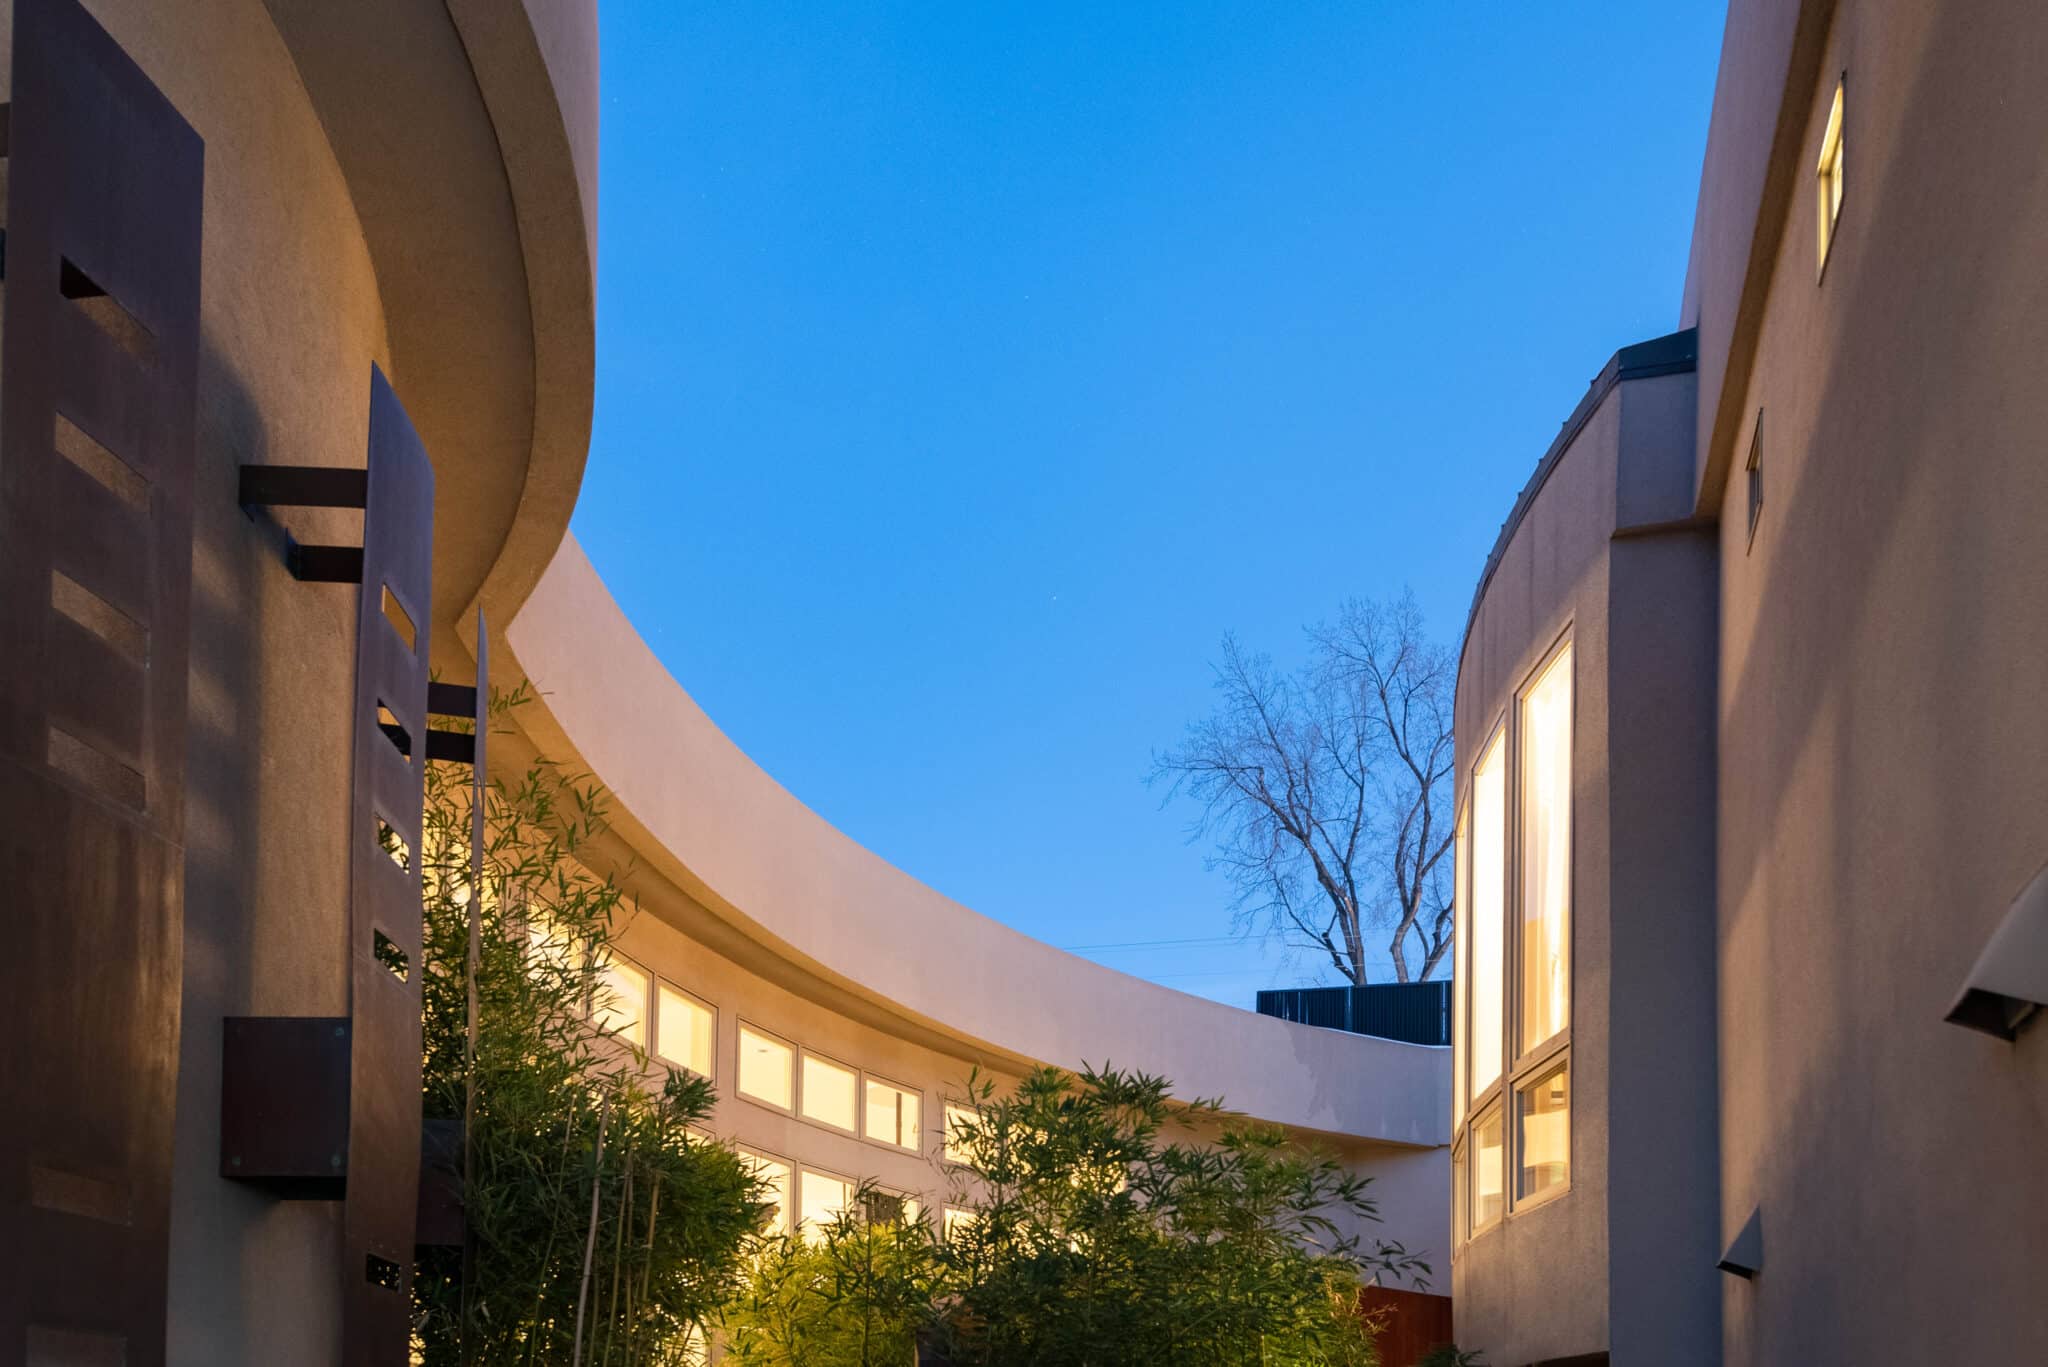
[(829, 1091), (1545, 944), (684, 1030), (956, 1220), (1545, 1138), (1489, 912), (781, 1181), (1489, 1182), (621, 1004), (892, 1114), (823, 1198), (766, 1068)]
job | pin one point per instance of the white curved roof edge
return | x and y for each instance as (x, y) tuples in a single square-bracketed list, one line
[(780, 865)]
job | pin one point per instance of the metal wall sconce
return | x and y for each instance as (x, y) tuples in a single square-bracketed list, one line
[(2009, 983)]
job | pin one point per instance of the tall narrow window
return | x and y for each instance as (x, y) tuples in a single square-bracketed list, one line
[(621, 1004), (781, 1180), (1828, 176), (1544, 947), (1461, 1034), (1489, 1179), (957, 1149), (824, 1196), (767, 1068), (684, 1030), (1756, 475), (1489, 912)]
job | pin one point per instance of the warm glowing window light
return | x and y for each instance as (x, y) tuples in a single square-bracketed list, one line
[(684, 1030), (781, 1180), (829, 1091), (1461, 1034), (957, 1148), (767, 1068), (1545, 943), (621, 1005), (1489, 1187), (893, 1114), (1544, 1143), (824, 1196), (1489, 911), (1829, 177)]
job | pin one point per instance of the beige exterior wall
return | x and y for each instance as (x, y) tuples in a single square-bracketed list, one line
[(1883, 741)]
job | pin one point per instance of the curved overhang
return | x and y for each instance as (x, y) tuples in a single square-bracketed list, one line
[(467, 132), (697, 811)]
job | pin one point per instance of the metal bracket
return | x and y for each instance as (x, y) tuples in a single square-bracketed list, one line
[(310, 486)]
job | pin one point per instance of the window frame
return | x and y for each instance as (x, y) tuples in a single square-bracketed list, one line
[(606, 959), (804, 1054), (1519, 1070), (789, 1209), (1830, 177), (806, 1171), (876, 1079), (747, 1027), (948, 1104), (654, 1048), (1753, 467)]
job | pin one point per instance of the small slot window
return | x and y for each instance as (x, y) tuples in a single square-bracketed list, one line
[(1755, 468), (382, 1272), (393, 844), (112, 473), (128, 638), (106, 313), (401, 620), (1830, 184), (394, 959), (394, 730), (87, 764)]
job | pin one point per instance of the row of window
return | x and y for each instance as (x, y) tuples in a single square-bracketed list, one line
[(683, 1030), (807, 1199), (1511, 1066)]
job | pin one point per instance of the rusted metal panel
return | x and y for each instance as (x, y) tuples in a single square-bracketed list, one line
[(284, 1104), (388, 795), (97, 383)]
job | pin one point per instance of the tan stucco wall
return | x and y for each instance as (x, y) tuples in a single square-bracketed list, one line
[(787, 911), (1884, 754)]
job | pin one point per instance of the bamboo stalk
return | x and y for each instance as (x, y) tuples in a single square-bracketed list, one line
[(611, 1318), (604, 1115)]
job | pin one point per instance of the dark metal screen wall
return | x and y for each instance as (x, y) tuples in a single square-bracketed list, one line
[(382, 1199), (1415, 1013), (98, 369)]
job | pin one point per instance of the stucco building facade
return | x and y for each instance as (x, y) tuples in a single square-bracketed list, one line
[(358, 240), (1761, 887)]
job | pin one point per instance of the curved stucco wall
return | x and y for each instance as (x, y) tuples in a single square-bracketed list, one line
[(728, 833)]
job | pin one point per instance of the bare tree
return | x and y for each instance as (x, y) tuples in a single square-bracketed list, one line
[(1326, 791)]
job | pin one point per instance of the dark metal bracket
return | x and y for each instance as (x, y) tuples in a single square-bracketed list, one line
[(310, 486), (451, 700)]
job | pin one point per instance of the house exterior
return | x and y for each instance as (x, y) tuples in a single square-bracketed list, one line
[(296, 375), (1750, 758)]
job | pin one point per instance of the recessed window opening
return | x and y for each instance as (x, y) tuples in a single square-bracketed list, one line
[(894, 1114), (1829, 181), (1755, 468), (685, 1030), (382, 1272), (621, 1006), (767, 1069), (400, 619), (394, 959), (87, 764), (780, 1178), (828, 1092), (1543, 1142)]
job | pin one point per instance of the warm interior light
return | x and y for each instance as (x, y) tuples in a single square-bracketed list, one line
[(1489, 891)]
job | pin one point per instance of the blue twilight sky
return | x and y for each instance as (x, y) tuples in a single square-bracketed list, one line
[(965, 371)]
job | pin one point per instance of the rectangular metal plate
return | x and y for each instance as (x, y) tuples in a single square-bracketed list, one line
[(284, 1104), (97, 386), (388, 794)]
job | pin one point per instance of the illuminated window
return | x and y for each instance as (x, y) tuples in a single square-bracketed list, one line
[(1544, 947), (1544, 1142), (767, 1069), (1489, 911), (1828, 178), (781, 1180), (621, 1003), (893, 1114), (957, 1149), (890, 1208), (957, 1220), (1489, 1187), (1461, 1194), (823, 1196), (1461, 1034), (829, 1091), (684, 1030), (696, 1352)]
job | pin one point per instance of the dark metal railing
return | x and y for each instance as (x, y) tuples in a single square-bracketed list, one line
[(1414, 1013)]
